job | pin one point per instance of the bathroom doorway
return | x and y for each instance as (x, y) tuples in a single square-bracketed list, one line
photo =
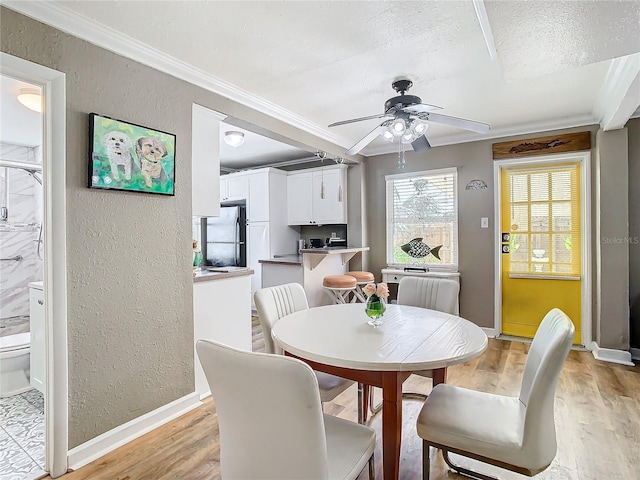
[(53, 250), (22, 325)]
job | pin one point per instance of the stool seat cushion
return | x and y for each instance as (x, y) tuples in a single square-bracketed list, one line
[(339, 281), (362, 276)]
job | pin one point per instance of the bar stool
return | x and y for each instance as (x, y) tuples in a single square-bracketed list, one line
[(339, 287), (362, 279)]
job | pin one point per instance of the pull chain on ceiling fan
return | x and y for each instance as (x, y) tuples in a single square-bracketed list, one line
[(407, 120)]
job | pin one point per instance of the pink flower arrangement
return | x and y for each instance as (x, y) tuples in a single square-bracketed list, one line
[(381, 290)]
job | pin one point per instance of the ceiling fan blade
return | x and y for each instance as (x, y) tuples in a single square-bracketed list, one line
[(456, 122), (421, 108), (366, 140), (421, 144), (353, 120)]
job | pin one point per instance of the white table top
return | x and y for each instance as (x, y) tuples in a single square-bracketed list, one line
[(410, 339)]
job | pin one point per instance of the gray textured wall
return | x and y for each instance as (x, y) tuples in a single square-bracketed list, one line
[(130, 314), (633, 131), (476, 245), (612, 248)]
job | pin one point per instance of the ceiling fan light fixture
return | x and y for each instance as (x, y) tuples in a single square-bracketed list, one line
[(419, 128), (388, 135), (234, 138), (407, 137), (30, 98), (398, 127)]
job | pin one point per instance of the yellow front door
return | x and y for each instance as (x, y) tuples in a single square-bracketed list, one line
[(541, 245)]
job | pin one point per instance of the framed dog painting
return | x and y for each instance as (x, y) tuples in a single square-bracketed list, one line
[(126, 156)]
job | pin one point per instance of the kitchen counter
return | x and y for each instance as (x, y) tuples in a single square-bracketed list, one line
[(334, 250), (208, 275), (309, 270), (284, 260)]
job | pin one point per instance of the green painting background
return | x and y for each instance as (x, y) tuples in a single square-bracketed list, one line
[(101, 169)]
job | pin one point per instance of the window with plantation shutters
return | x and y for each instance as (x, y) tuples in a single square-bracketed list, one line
[(544, 213), (422, 205)]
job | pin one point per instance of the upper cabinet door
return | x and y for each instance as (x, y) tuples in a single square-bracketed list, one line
[(205, 161), (237, 187), (259, 197), (328, 197), (299, 203)]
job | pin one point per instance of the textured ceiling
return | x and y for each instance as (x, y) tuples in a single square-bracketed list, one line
[(329, 61)]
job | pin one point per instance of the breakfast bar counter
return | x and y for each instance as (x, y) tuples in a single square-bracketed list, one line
[(309, 269)]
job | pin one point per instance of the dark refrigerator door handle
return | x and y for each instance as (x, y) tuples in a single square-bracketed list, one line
[(237, 252)]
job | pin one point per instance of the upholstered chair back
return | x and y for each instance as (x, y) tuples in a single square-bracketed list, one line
[(269, 414), (433, 293), (273, 303), (545, 360)]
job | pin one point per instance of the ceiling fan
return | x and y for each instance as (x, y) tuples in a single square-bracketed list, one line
[(406, 120)]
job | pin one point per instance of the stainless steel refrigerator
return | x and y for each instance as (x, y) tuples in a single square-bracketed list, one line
[(224, 237)]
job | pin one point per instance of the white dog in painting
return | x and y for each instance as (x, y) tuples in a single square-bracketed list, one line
[(117, 145)]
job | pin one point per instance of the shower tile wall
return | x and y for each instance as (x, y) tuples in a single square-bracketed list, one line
[(19, 236)]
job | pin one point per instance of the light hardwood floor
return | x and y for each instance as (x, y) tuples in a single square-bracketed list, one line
[(597, 420)]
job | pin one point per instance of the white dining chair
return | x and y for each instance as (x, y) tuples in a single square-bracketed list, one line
[(515, 433), (270, 419), (426, 292), (272, 304)]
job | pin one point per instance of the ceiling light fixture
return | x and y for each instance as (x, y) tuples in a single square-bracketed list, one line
[(30, 98), (234, 138), (406, 131)]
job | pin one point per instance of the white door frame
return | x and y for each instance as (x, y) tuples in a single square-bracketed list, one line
[(584, 158), (55, 264)]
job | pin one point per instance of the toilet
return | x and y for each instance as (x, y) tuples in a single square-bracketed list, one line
[(14, 364)]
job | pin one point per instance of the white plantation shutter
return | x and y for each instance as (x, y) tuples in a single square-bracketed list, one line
[(423, 205)]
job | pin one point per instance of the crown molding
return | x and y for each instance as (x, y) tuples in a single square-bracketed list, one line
[(85, 28), (521, 129), (619, 96)]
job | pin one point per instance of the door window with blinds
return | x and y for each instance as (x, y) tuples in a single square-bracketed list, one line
[(422, 218), (544, 217)]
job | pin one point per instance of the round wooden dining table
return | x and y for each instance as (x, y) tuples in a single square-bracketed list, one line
[(336, 339)]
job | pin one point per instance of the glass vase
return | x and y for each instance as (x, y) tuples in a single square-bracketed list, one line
[(374, 309)]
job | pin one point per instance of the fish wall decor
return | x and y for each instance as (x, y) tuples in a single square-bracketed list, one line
[(416, 248)]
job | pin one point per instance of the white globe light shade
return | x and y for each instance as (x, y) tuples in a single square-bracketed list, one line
[(30, 98), (234, 138)]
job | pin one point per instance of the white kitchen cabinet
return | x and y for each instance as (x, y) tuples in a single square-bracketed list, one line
[(222, 313), (259, 197), (317, 196), (37, 340), (234, 186), (205, 161), (299, 204), (258, 248)]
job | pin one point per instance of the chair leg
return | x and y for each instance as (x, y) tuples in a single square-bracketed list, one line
[(374, 408), (372, 467), (426, 464), (465, 471), (361, 404)]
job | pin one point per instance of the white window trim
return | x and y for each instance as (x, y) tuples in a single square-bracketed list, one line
[(401, 176)]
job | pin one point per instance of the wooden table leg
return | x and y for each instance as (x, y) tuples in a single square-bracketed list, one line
[(439, 376), (391, 423)]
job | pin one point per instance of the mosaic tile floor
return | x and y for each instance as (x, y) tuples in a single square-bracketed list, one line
[(22, 436)]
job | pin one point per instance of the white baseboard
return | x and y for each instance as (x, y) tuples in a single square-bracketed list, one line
[(108, 441), (490, 332), (635, 353), (611, 355)]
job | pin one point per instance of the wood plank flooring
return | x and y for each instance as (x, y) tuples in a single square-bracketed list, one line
[(597, 422)]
